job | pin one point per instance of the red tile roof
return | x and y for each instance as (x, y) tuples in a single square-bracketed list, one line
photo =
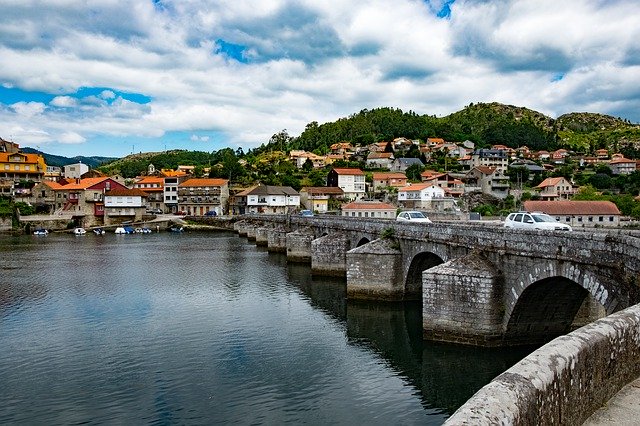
[(126, 193), (203, 182), (349, 171), (333, 190), (572, 207), (364, 205)]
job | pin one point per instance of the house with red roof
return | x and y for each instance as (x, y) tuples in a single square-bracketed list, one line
[(124, 205), (351, 181), (622, 166), (371, 209), (555, 188), (317, 198), (385, 180), (198, 196), (154, 187), (380, 160), (578, 213)]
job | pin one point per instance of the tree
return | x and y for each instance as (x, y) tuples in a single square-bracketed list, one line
[(413, 172)]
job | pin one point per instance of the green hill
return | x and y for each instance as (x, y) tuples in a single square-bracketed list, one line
[(60, 161)]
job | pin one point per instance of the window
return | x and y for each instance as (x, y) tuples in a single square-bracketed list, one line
[(610, 218), (601, 219), (590, 218), (579, 218)]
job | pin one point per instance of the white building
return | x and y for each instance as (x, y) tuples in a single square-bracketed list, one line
[(122, 205), (374, 209), (267, 199), (75, 171), (428, 197), (351, 181)]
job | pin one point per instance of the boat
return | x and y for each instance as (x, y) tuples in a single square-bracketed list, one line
[(120, 230), (40, 232), (176, 229), (98, 231), (129, 230), (79, 231), (146, 231)]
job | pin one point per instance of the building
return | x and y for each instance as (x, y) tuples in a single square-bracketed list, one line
[(386, 180), (9, 147), (84, 198), (16, 167), (622, 166), (578, 213), (171, 181), (371, 209), (124, 205), (426, 196), (268, 199), (488, 180), (154, 187), (198, 196), (379, 160), (558, 188), (75, 171), (317, 198), (495, 158), (451, 185), (402, 164), (351, 181)]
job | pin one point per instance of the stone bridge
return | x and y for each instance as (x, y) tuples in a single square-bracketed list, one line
[(479, 284)]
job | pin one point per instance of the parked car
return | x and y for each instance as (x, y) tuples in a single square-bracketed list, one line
[(413, 217), (534, 220), (306, 213), (211, 213), (181, 213)]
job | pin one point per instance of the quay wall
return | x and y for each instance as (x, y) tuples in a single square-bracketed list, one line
[(564, 381)]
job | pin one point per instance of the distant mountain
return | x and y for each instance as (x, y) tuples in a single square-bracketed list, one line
[(60, 161)]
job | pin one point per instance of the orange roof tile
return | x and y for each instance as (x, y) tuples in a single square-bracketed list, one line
[(382, 176), (204, 182), (572, 207), (84, 183), (126, 192), (349, 171), (363, 205)]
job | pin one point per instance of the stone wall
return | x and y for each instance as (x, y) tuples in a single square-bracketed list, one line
[(5, 224), (563, 382)]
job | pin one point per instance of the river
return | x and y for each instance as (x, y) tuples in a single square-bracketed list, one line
[(207, 328)]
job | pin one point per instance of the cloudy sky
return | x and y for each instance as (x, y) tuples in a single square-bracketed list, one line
[(108, 77)]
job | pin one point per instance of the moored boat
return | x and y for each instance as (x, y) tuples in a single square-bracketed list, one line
[(98, 231), (40, 232), (79, 231)]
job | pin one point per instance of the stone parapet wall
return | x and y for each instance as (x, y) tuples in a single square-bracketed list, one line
[(564, 381)]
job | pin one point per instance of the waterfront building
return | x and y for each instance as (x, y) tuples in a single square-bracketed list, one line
[(199, 196), (268, 199), (124, 205), (154, 187), (16, 167), (385, 180), (171, 181)]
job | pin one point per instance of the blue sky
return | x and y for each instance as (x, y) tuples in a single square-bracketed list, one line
[(91, 77)]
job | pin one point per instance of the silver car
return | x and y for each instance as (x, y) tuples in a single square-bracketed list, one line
[(413, 217), (534, 220)]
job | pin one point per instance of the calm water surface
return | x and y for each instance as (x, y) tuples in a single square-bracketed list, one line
[(206, 328)]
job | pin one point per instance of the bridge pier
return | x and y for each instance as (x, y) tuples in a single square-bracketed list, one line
[(299, 246), (262, 236), (277, 240), (463, 302), (329, 255), (374, 271), (251, 232), (241, 227)]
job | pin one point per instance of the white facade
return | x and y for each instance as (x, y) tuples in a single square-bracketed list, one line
[(420, 192), (352, 185), (123, 201), (75, 171)]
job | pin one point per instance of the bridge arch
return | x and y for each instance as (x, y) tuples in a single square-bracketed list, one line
[(413, 278), (362, 241), (542, 301)]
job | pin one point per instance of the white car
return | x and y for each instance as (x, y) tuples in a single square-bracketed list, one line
[(534, 220), (413, 217)]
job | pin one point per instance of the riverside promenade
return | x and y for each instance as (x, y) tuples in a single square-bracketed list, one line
[(621, 410)]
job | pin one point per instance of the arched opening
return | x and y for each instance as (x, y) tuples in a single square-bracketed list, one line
[(363, 241), (420, 262), (547, 309)]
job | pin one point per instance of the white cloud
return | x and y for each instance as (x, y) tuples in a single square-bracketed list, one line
[(197, 138), (63, 102), (308, 61), (28, 109), (71, 138)]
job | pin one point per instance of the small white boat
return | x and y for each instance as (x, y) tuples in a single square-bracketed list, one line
[(98, 231), (79, 231), (40, 232), (120, 230)]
